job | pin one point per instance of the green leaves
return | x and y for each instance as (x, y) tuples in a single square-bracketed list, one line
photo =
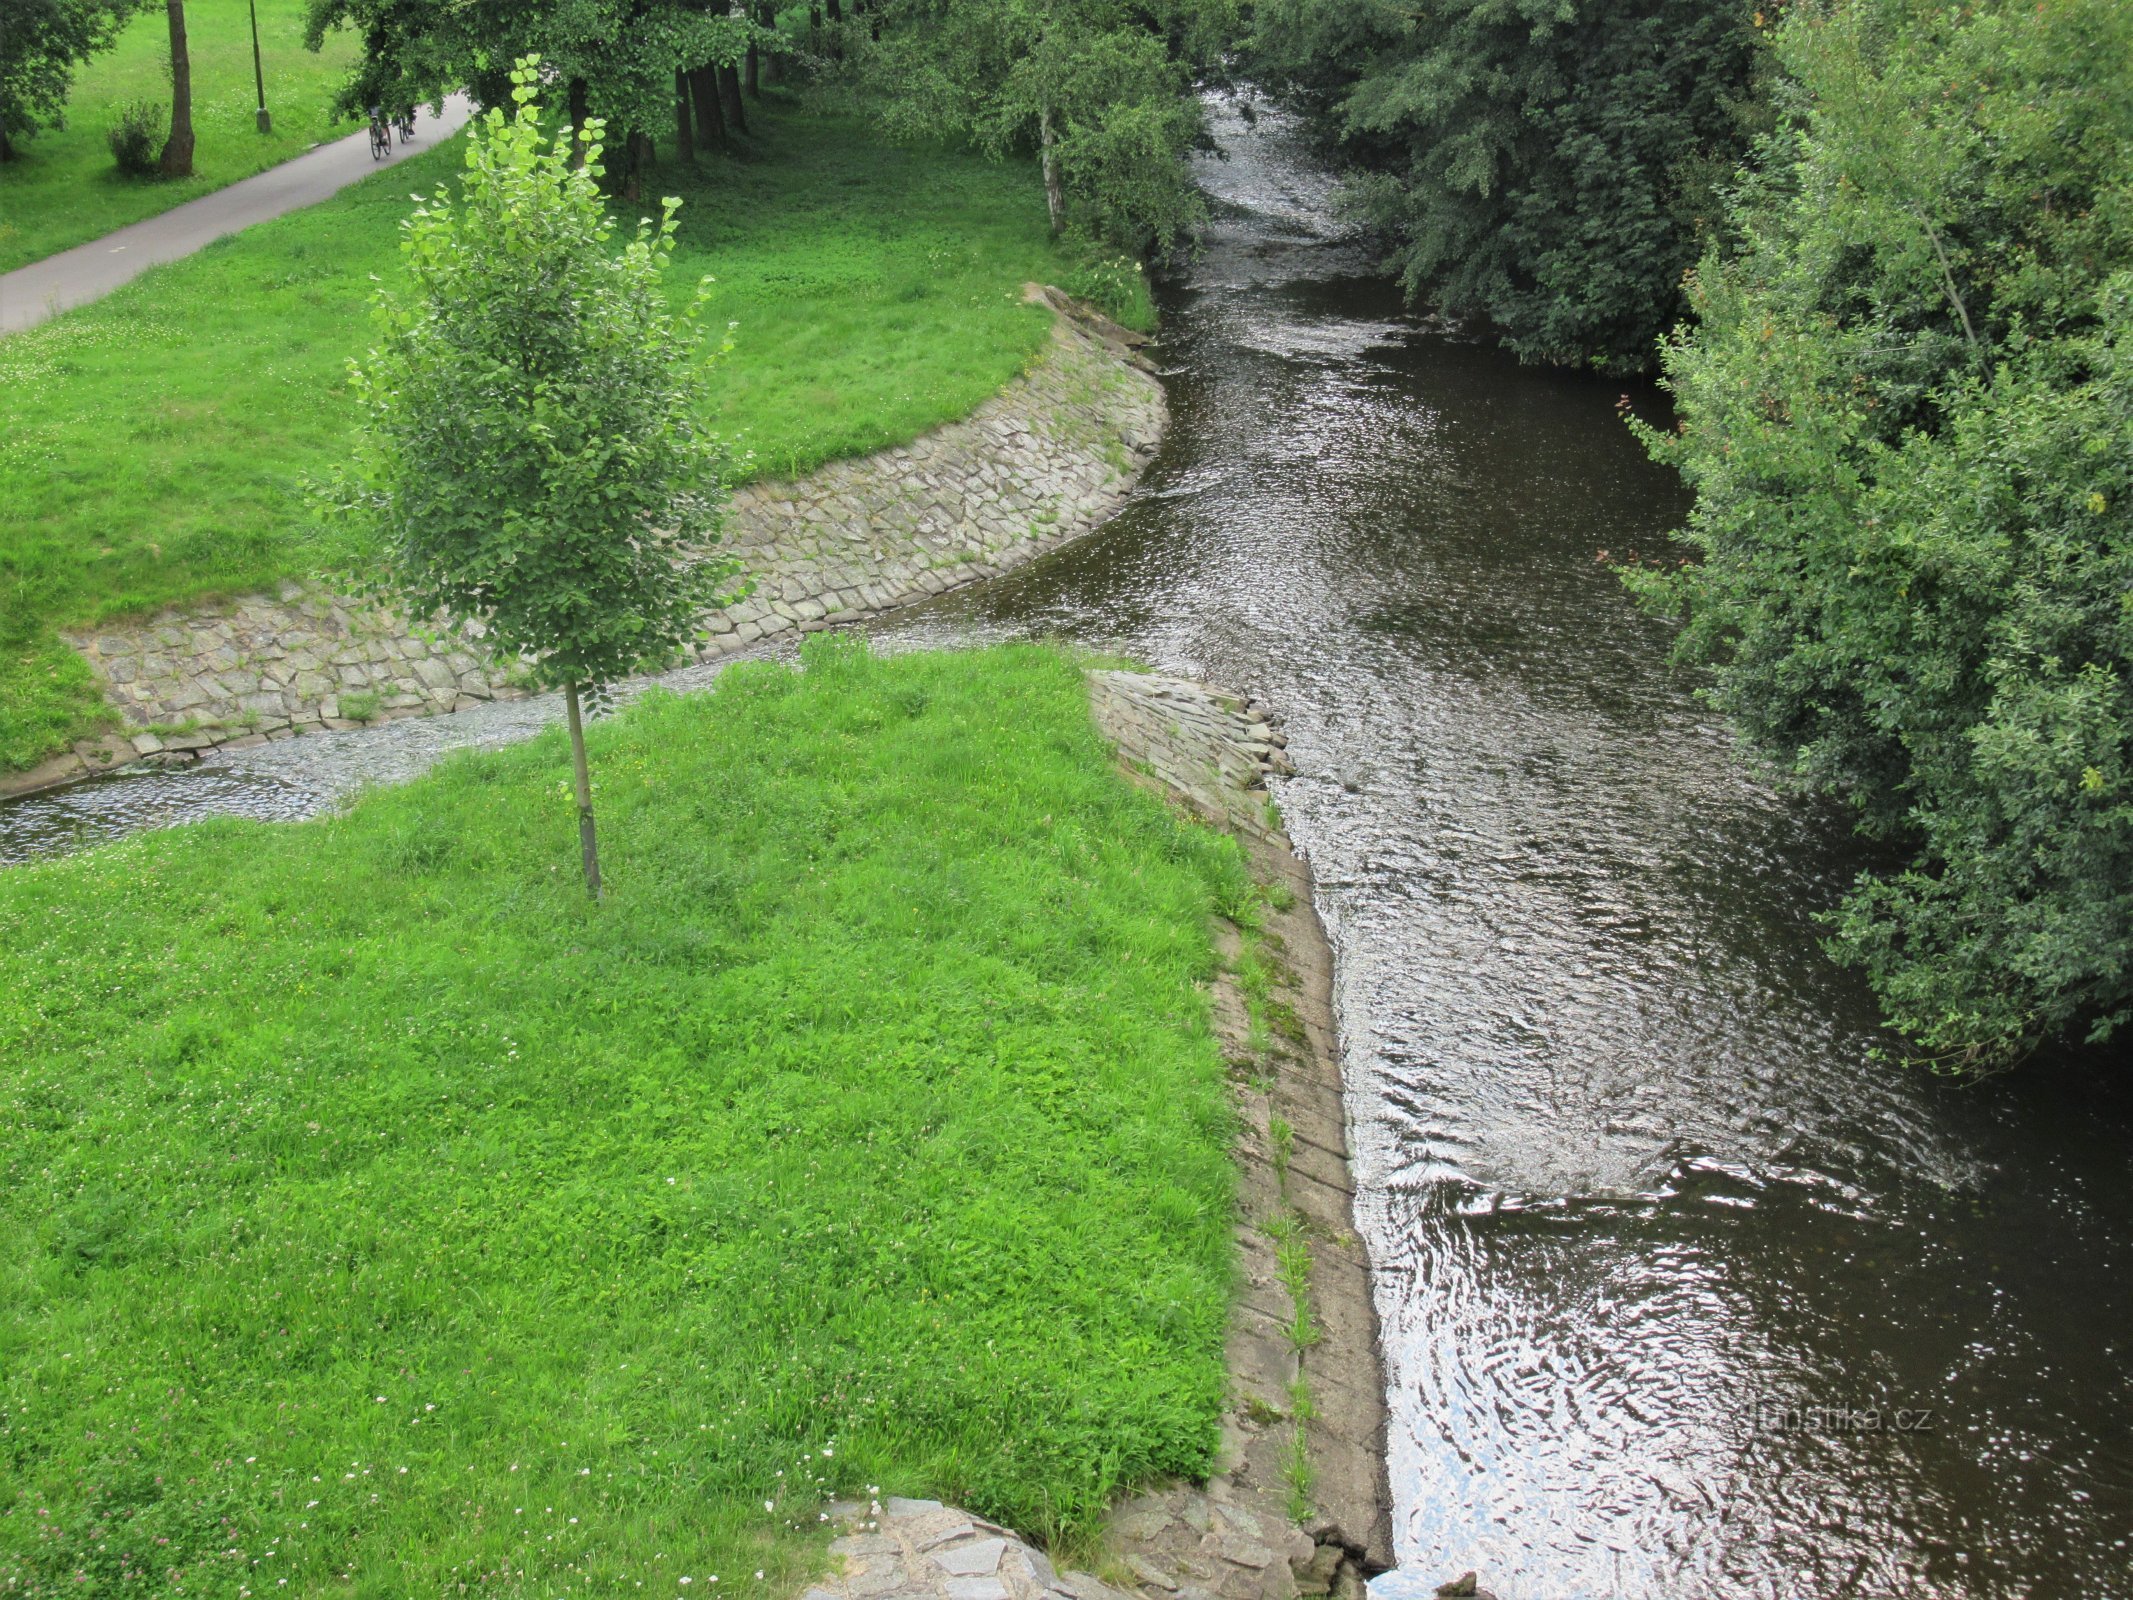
[(1908, 414), (41, 43), (1546, 168), (531, 468), (1102, 91)]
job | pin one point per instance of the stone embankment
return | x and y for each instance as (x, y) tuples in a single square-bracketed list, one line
[(1045, 460), (1298, 1504)]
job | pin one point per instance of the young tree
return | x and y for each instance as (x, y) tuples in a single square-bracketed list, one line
[(177, 158), (41, 43), (531, 467)]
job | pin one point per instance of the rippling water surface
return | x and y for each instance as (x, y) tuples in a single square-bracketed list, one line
[(1684, 1293)]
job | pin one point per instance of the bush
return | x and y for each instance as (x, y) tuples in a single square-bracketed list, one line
[(1908, 414), (137, 138)]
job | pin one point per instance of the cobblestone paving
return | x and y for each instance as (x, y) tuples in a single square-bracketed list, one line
[(1048, 458)]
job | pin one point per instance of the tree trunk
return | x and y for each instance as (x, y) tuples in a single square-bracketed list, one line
[(684, 129), (835, 9), (710, 118), (752, 74), (1054, 197), (7, 146), (767, 15), (587, 844), (729, 93), (580, 110), (177, 157), (814, 30)]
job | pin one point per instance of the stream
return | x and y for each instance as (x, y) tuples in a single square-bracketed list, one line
[(1686, 1290)]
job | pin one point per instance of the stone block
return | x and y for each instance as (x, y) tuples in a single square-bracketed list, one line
[(971, 1560)]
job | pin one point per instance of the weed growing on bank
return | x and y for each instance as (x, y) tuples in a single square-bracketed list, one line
[(375, 1212)]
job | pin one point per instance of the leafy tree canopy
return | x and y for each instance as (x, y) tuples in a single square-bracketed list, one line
[(41, 43), (1102, 90), (1541, 165), (1907, 411), (622, 54)]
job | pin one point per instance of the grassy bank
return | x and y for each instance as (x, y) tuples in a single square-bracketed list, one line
[(371, 1205), (65, 190), (154, 446)]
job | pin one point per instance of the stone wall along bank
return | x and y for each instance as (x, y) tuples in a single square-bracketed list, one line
[(1045, 460), (1300, 1505)]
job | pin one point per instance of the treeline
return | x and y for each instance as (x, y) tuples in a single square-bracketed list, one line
[(1546, 168), (1101, 92), (1882, 252)]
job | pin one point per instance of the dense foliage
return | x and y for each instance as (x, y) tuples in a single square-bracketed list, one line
[(1907, 410), (616, 59), (1544, 167), (378, 1218), (41, 43), (1102, 91)]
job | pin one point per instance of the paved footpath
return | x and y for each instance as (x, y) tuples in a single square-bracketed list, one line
[(30, 294)]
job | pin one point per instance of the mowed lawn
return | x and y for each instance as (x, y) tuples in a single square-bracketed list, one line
[(155, 446), (64, 189), (378, 1217)]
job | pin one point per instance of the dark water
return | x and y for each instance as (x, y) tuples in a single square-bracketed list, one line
[(1684, 1293)]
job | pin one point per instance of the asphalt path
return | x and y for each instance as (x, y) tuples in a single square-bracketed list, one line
[(30, 294)]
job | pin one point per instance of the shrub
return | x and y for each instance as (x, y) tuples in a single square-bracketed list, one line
[(137, 138), (1908, 414)]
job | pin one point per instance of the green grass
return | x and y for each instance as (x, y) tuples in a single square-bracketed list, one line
[(154, 446), (65, 190), (373, 1205)]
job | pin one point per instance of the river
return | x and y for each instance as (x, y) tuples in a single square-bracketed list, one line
[(1687, 1291)]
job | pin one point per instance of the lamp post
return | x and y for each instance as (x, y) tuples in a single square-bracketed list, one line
[(259, 75)]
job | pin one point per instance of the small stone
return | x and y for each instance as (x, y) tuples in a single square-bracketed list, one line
[(897, 1506), (1238, 1550), (863, 1544), (1144, 1524), (969, 1560), (975, 1589), (1149, 1573)]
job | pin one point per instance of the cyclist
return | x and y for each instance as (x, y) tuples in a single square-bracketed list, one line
[(381, 138), (405, 122)]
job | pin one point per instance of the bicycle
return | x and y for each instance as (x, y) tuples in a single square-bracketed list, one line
[(381, 137), (405, 122)]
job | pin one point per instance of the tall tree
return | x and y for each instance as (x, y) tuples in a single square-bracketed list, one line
[(177, 158), (1544, 168), (530, 465), (41, 43), (617, 58), (1100, 91), (1907, 410)]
